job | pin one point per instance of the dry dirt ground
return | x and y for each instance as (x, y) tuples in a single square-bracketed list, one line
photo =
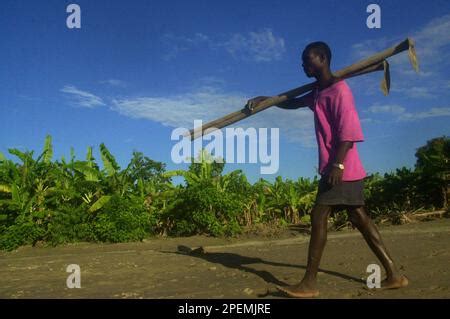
[(229, 268)]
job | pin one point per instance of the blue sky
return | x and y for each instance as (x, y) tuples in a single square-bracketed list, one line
[(138, 69)]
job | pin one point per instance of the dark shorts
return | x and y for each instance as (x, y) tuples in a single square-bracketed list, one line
[(345, 193)]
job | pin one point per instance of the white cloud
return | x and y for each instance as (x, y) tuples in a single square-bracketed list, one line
[(430, 39), (176, 44), (295, 125), (433, 37), (82, 98), (369, 47), (180, 110), (390, 108), (260, 46), (114, 82), (207, 104), (411, 72), (433, 112), (415, 92), (401, 114)]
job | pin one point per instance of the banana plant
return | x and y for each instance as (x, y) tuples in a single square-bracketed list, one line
[(292, 201), (307, 191), (28, 184), (115, 181), (194, 175)]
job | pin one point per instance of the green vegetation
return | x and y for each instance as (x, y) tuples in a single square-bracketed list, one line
[(57, 202)]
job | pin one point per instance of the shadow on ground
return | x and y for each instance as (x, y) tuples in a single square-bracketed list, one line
[(239, 262)]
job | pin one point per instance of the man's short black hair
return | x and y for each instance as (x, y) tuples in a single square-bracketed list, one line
[(319, 48)]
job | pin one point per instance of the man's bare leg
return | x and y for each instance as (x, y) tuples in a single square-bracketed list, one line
[(361, 220), (307, 288)]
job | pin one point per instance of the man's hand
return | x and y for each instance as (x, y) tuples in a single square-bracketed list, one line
[(335, 176), (252, 103)]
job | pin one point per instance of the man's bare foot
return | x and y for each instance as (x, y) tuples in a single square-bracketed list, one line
[(395, 282), (299, 291)]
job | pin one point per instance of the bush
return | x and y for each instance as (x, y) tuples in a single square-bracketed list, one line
[(121, 220), (70, 224), (19, 234), (61, 202), (204, 209)]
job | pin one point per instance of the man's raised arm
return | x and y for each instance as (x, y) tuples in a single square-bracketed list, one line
[(295, 103)]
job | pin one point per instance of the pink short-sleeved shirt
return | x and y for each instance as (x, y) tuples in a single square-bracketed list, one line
[(336, 120)]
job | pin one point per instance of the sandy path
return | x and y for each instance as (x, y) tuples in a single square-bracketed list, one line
[(237, 268)]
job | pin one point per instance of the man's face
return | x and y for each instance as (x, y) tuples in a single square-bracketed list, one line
[(311, 63)]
